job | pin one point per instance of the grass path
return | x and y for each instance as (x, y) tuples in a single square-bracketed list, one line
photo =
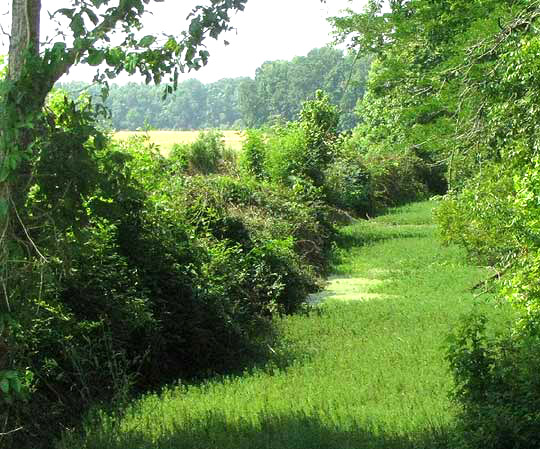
[(364, 369)]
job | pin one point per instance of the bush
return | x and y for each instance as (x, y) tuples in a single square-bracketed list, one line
[(254, 153), (206, 155), (305, 148), (348, 185), (251, 213), (482, 217), (286, 156), (495, 217), (432, 171), (159, 269), (150, 276), (395, 179), (497, 386)]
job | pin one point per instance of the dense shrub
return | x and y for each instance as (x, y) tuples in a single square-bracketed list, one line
[(286, 156), (150, 274), (497, 385), (150, 269), (480, 216), (319, 119), (304, 149), (253, 153), (395, 179), (381, 175), (348, 185), (432, 171), (252, 213), (495, 217), (208, 154)]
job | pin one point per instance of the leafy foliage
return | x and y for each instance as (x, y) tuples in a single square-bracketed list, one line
[(239, 102), (348, 185), (298, 151), (54, 193), (254, 153), (497, 383), (204, 156), (151, 274), (453, 86)]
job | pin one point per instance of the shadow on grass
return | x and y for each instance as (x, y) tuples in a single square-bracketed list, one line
[(271, 351), (268, 431)]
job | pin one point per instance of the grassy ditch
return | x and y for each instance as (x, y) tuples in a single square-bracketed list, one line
[(365, 369)]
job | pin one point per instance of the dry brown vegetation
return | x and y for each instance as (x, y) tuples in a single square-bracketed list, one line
[(166, 139)]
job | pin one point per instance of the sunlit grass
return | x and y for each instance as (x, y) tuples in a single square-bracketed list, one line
[(348, 375), (166, 139)]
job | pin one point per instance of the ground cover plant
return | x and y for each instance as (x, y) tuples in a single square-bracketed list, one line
[(348, 374)]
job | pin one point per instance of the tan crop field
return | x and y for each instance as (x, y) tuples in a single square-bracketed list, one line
[(166, 139)]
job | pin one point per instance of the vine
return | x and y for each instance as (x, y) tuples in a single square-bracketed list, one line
[(27, 137), (20, 119)]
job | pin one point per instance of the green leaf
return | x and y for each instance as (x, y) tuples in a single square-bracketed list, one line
[(4, 385), (114, 57), (190, 52), (13, 161), (10, 374), (77, 25), (16, 385), (131, 63), (91, 15), (195, 28), (100, 141), (4, 172), (95, 57), (68, 12), (146, 41), (59, 47), (137, 4)]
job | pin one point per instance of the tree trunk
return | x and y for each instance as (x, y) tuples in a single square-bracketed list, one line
[(18, 109), (14, 139), (25, 15), (21, 101)]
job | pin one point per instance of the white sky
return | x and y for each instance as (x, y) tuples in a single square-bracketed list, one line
[(267, 30)]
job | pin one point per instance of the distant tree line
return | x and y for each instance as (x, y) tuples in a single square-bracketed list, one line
[(276, 94)]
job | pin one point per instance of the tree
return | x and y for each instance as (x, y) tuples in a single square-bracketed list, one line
[(280, 87), (33, 70), (456, 81)]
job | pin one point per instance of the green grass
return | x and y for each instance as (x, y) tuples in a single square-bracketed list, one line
[(350, 374)]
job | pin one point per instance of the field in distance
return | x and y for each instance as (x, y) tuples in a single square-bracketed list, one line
[(166, 139)]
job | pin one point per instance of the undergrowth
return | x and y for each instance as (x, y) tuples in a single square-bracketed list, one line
[(369, 374)]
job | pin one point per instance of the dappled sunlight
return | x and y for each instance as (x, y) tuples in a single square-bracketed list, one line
[(344, 288)]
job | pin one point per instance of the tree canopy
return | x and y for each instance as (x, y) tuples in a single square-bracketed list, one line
[(456, 81), (240, 102), (88, 39)]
